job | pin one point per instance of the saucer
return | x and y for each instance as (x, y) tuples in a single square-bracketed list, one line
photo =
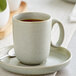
[(57, 60)]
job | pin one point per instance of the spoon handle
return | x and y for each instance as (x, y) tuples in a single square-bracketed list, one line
[(3, 57), (9, 48)]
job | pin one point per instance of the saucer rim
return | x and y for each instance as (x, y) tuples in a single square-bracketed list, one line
[(66, 61)]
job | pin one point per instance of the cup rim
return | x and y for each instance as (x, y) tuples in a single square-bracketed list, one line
[(14, 17)]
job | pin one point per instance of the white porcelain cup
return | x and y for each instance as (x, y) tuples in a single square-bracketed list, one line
[(32, 39), (14, 4)]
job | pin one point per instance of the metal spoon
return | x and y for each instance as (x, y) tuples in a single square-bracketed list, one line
[(11, 54)]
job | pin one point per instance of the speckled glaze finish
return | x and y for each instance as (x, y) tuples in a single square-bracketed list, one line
[(32, 39)]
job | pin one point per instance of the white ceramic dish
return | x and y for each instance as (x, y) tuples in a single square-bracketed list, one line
[(14, 4), (4, 15), (58, 59)]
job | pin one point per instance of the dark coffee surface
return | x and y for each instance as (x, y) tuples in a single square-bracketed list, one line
[(31, 20)]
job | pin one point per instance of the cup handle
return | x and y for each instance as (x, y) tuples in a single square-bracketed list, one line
[(61, 37)]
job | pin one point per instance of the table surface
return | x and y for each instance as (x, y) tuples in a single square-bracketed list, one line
[(60, 10), (70, 70)]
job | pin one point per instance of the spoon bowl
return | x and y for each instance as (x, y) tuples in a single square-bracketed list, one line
[(10, 53)]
